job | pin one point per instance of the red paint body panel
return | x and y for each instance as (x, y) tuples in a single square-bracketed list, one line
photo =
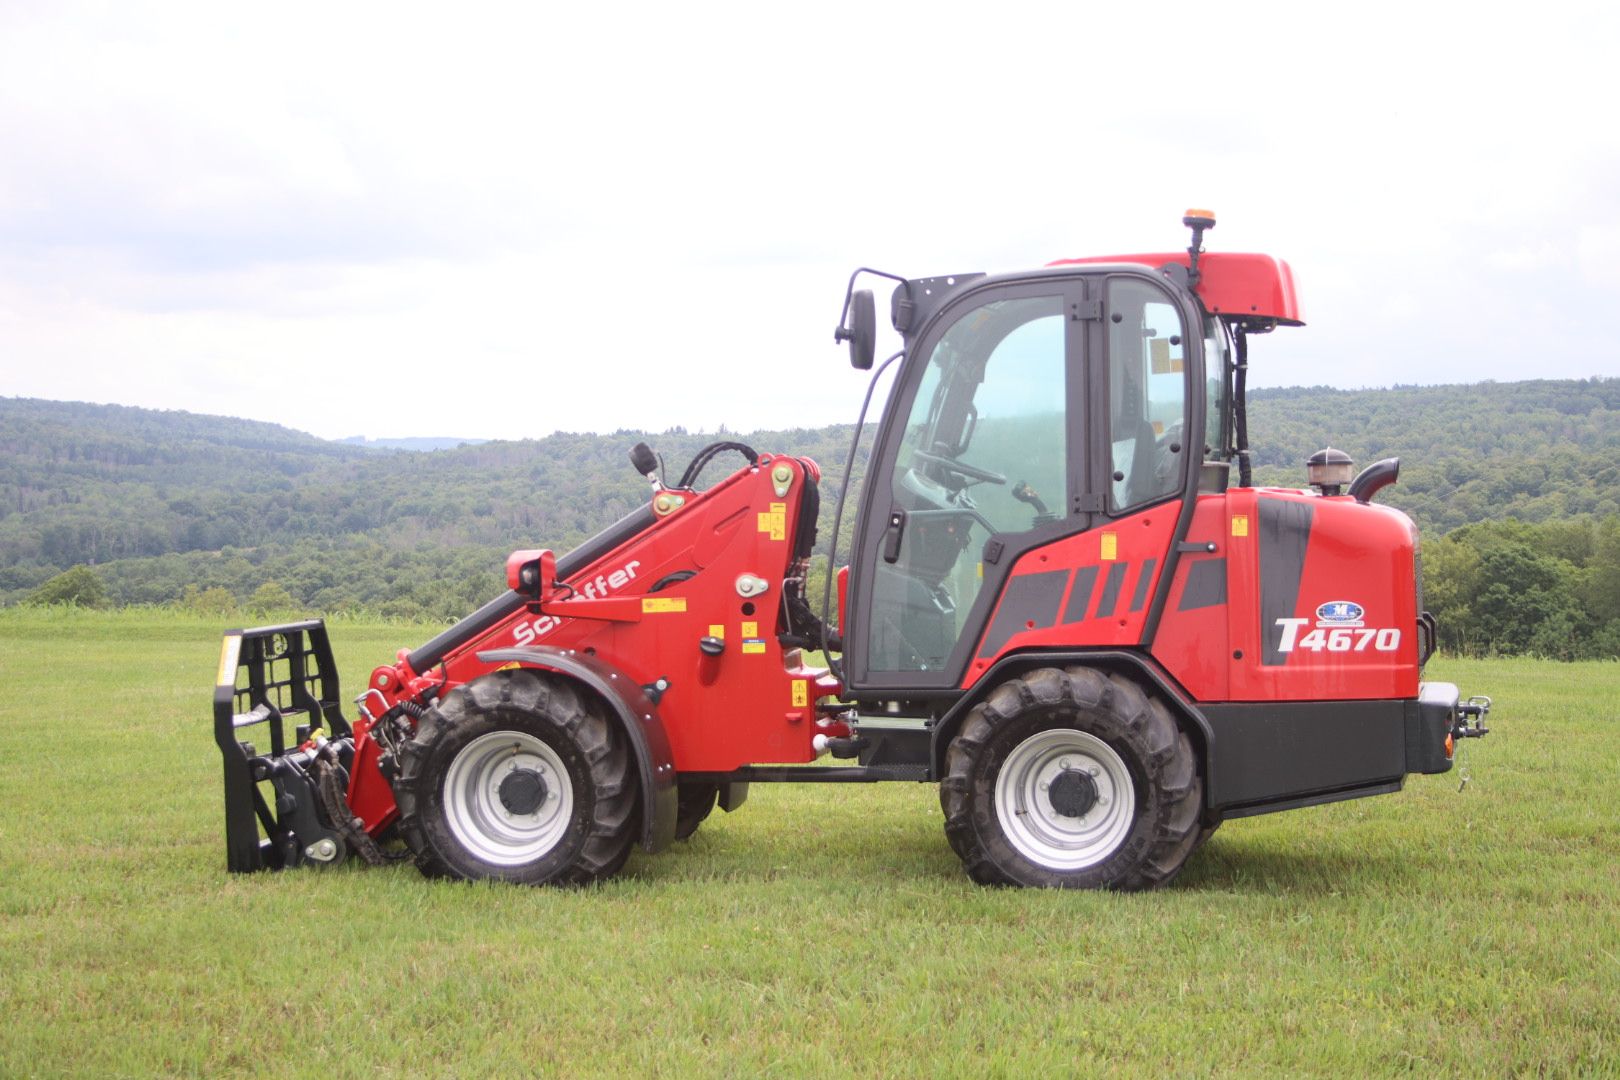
[(1133, 548), (720, 713), (1192, 641), (1229, 283), (370, 795), (843, 597), (1360, 554), (753, 704), (1353, 553)]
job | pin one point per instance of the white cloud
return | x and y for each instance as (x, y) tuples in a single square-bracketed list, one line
[(1597, 254), (393, 219)]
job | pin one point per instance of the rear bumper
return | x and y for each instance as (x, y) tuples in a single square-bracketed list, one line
[(1434, 723), (1429, 721), (1266, 756)]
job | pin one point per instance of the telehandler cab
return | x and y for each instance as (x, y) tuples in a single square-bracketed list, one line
[(1060, 607)]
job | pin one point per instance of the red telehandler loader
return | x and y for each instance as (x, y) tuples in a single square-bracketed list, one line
[(1061, 607)]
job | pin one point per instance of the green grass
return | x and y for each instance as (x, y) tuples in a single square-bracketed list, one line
[(818, 930)]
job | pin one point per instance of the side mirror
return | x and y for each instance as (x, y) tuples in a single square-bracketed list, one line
[(862, 331)]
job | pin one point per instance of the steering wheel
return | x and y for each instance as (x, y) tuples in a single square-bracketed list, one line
[(967, 472)]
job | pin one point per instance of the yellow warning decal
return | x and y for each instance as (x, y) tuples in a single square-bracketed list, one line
[(1240, 524), (774, 521), (229, 650), (509, 667), (1110, 547), (717, 630), (750, 629), (756, 646), (801, 692), (653, 605), (1160, 360)]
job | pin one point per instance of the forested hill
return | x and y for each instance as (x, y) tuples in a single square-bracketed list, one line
[(158, 501), (40, 439), (1538, 451)]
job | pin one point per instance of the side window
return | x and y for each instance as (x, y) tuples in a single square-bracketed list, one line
[(1147, 394), (989, 415), (989, 412)]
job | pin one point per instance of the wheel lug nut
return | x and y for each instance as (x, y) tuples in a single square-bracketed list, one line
[(1092, 770), (1063, 763)]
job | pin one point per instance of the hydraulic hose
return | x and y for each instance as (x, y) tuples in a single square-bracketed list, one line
[(708, 454)]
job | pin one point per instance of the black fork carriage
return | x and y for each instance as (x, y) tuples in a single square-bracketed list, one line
[(270, 677)]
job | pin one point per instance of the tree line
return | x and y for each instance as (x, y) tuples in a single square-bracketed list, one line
[(1516, 487)]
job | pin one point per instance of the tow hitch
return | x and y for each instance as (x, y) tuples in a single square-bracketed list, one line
[(1470, 721)]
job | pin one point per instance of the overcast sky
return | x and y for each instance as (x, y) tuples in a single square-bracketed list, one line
[(501, 221)]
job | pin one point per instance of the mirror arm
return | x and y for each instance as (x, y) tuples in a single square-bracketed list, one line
[(841, 335)]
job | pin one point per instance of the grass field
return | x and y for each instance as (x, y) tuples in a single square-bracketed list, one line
[(819, 930)]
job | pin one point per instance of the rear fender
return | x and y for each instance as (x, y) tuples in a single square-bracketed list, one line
[(1130, 664), (638, 717)]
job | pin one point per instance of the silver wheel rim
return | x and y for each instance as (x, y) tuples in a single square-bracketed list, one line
[(482, 822), (1033, 825)]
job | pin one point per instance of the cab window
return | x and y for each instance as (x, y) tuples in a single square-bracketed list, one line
[(1147, 394)]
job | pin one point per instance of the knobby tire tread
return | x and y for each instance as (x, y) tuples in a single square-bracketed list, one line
[(1167, 827), (534, 701)]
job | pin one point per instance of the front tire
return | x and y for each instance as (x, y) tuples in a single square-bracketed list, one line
[(1072, 779), (517, 776)]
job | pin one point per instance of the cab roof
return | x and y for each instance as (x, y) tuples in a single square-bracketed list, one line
[(1234, 284)]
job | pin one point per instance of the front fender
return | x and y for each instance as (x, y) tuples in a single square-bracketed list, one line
[(638, 716)]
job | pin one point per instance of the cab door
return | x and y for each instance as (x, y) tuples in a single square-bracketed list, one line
[(980, 458)]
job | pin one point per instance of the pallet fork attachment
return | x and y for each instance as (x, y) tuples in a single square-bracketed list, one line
[(267, 676)]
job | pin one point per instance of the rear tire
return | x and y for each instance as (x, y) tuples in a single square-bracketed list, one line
[(694, 803), (1072, 779), (517, 776)]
